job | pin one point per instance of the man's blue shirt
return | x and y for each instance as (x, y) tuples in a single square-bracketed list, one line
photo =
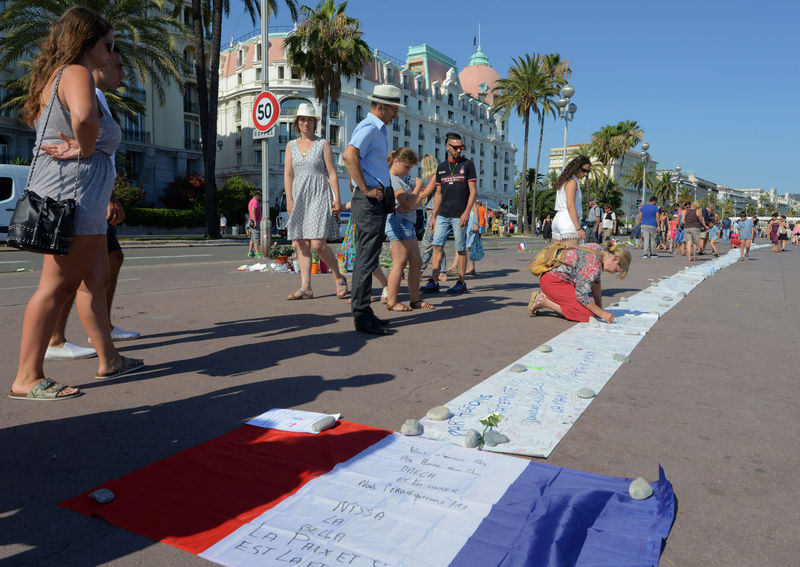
[(649, 214), (370, 139)]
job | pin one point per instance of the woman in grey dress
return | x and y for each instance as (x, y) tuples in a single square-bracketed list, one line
[(62, 106), (312, 200)]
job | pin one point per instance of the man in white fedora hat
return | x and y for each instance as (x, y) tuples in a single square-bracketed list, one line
[(366, 160)]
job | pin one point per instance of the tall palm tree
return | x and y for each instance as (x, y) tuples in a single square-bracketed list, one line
[(628, 135), (557, 71), (664, 189), (205, 13), (638, 175), (142, 28), (327, 46), (520, 91)]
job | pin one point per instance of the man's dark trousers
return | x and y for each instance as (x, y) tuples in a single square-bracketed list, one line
[(370, 220)]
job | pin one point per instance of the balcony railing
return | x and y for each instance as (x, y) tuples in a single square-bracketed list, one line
[(396, 127), (287, 111), (191, 106), (421, 136), (135, 135), (407, 131)]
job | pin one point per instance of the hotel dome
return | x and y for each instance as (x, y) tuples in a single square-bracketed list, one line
[(478, 77)]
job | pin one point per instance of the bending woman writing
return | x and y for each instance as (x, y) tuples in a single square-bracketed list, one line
[(573, 288)]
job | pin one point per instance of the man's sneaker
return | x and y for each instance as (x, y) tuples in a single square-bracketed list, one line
[(69, 352), (716, 254), (430, 287), (258, 255), (645, 255), (118, 334), (251, 255), (460, 287)]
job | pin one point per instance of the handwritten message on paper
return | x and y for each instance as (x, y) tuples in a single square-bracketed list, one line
[(404, 501)]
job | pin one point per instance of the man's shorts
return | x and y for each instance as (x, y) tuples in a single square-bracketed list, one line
[(691, 235), (255, 235), (398, 228), (112, 244), (703, 234), (442, 229)]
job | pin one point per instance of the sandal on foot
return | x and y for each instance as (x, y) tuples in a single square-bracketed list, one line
[(128, 365), (421, 304), (45, 391), (301, 294), (397, 307), (535, 303), (341, 289)]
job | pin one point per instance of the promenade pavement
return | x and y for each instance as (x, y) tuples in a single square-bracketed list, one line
[(711, 394)]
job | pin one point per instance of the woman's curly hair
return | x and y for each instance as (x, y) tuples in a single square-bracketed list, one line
[(571, 169)]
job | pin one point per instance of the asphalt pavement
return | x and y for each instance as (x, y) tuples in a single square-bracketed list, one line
[(711, 392)]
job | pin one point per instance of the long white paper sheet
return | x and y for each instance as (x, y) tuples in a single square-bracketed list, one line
[(405, 501), (540, 404)]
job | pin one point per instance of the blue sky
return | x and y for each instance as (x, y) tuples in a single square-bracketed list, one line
[(713, 85)]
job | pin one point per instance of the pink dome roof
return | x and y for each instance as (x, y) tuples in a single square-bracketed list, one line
[(478, 77)]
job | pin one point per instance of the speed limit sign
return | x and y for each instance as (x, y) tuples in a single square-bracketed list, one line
[(265, 111)]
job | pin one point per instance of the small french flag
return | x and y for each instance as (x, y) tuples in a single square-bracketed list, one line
[(522, 246)]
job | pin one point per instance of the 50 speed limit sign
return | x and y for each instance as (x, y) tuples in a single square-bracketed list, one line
[(265, 111)]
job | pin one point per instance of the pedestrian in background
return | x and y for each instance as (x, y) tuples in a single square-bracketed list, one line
[(254, 224)]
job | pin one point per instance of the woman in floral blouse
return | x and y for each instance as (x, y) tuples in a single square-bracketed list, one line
[(573, 288)]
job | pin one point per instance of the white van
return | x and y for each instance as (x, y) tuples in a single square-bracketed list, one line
[(12, 184)]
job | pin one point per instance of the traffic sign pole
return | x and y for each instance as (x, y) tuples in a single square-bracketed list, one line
[(266, 222)]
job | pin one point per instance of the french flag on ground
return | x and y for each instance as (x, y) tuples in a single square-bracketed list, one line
[(364, 497)]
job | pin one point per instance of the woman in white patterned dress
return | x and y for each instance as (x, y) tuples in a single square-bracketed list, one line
[(312, 200), (567, 222)]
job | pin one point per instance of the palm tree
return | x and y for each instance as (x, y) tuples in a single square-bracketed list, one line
[(557, 71), (327, 46), (628, 135), (664, 189), (638, 175), (520, 91), (142, 28), (205, 13)]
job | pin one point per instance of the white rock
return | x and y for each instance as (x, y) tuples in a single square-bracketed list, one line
[(647, 292), (632, 332), (656, 313), (621, 358), (102, 495), (411, 427), (667, 298), (594, 322), (323, 424), (518, 368), (640, 489), (544, 348), (439, 413), (663, 304), (623, 299), (681, 294), (493, 438), (586, 393), (472, 439)]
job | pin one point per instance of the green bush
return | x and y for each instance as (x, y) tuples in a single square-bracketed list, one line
[(130, 195), (232, 199), (164, 218)]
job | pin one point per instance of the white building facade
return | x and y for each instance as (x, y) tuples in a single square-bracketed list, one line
[(437, 101)]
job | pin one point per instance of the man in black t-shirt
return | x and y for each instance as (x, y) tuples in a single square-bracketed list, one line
[(455, 194)]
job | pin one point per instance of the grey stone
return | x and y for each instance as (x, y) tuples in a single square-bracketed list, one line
[(639, 489), (102, 495), (667, 298), (586, 393), (323, 424), (518, 368), (472, 439), (439, 413), (544, 348), (681, 294), (623, 299), (647, 291), (411, 427), (493, 438), (594, 322), (653, 283), (632, 332), (621, 358), (615, 304), (656, 313)]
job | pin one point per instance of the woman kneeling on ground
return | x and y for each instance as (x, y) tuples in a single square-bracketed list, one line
[(573, 288)]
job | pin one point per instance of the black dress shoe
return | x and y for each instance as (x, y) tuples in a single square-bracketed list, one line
[(372, 329), (381, 322)]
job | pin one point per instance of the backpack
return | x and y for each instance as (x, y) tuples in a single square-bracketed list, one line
[(551, 257)]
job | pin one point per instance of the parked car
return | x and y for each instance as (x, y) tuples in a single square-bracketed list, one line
[(12, 184)]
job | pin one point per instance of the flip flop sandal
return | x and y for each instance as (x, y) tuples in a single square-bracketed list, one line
[(535, 303), (128, 365), (421, 304), (45, 391), (301, 294), (399, 307), (341, 289)]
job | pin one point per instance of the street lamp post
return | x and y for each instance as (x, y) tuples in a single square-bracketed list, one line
[(567, 111), (645, 147), (677, 183)]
